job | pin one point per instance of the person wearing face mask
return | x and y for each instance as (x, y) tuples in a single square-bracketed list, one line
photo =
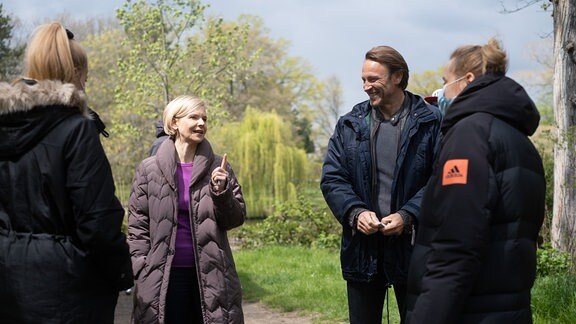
[(63, 256), (475, 255), (376, 167), (183, 201)]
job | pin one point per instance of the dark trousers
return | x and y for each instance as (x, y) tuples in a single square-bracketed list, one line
[(366, 301), (183, 297)]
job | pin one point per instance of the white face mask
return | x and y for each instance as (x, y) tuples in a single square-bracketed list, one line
[(444, 102)]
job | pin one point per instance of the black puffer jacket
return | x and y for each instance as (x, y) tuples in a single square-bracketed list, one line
[(475, 254), (63, 257)]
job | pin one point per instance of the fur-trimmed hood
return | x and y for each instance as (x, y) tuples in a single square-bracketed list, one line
[(26, 94), (29, 109)]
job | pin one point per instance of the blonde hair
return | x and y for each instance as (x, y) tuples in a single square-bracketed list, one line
[(51, 55), (479, 60), (178, 108)]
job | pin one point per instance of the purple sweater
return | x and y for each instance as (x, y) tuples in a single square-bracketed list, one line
[(184, 249)]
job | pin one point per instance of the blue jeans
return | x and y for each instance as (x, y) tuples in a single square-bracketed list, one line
[(366, 301)]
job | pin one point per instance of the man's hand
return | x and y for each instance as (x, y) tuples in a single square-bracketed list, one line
[(368, 223), (394, 224)]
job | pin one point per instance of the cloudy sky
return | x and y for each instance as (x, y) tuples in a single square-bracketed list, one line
[(333, 35)]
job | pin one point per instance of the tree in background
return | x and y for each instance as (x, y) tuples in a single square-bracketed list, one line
[(563, 232), (329, 107), (10, 55), (270, 167), (171, 49), (540, 82), (140, 60), (277, 82), (564, 220), (425, 83)]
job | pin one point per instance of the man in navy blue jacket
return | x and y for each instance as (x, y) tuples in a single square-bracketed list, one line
[(377, 164)]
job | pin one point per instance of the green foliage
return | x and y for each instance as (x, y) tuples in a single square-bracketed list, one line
[(10, 56), (552, 262), (264, 155), (426, 82), (554, 299), (169, 49), (546, 114), (304, 132), (296, 222)]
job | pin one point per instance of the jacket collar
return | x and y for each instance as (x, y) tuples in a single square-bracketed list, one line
[(420, 111), (166, 159), (26, 94)]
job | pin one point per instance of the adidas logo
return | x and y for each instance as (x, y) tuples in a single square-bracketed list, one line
[(454, 172)]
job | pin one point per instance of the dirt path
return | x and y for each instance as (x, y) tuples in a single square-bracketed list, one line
[(254, 313)]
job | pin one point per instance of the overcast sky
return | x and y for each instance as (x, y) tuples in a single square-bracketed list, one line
[(334, 35)]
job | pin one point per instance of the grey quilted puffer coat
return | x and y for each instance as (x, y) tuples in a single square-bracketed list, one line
[(152, 222)]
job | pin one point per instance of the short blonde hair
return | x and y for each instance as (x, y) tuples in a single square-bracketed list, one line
[(178, 108), (51, 55), (480, 59)]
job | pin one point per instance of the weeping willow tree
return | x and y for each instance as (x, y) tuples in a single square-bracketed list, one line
[(268, 164)]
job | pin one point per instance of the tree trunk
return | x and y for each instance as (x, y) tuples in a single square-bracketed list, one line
[(563, 221)]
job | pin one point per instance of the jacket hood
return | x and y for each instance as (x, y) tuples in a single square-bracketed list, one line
[(30, 109), (499, 96)]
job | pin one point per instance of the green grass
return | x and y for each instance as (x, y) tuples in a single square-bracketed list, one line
[(299, 279), (554, 300), (309, 281)]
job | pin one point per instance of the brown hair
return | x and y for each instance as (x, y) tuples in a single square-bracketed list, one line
[(51, 55), (479, 60), (390, 58)]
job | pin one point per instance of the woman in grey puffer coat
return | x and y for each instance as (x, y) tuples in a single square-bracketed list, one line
[(183, 200)]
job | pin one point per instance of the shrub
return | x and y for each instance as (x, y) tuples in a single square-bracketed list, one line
[(551, 261), (293, 223)]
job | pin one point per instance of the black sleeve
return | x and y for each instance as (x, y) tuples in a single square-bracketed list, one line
[(98, 212)]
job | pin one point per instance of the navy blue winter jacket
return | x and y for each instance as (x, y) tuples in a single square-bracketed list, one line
[(347, 179)]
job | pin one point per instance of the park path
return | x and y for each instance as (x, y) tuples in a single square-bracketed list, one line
[(254, 313)]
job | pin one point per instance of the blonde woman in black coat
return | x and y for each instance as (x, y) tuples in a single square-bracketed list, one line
[(63, 257)]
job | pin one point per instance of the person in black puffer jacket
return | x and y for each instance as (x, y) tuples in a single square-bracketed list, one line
[(63, 257), (475, 255)]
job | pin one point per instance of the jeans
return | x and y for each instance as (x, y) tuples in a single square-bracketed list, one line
[(366, 301), (183, 297)]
